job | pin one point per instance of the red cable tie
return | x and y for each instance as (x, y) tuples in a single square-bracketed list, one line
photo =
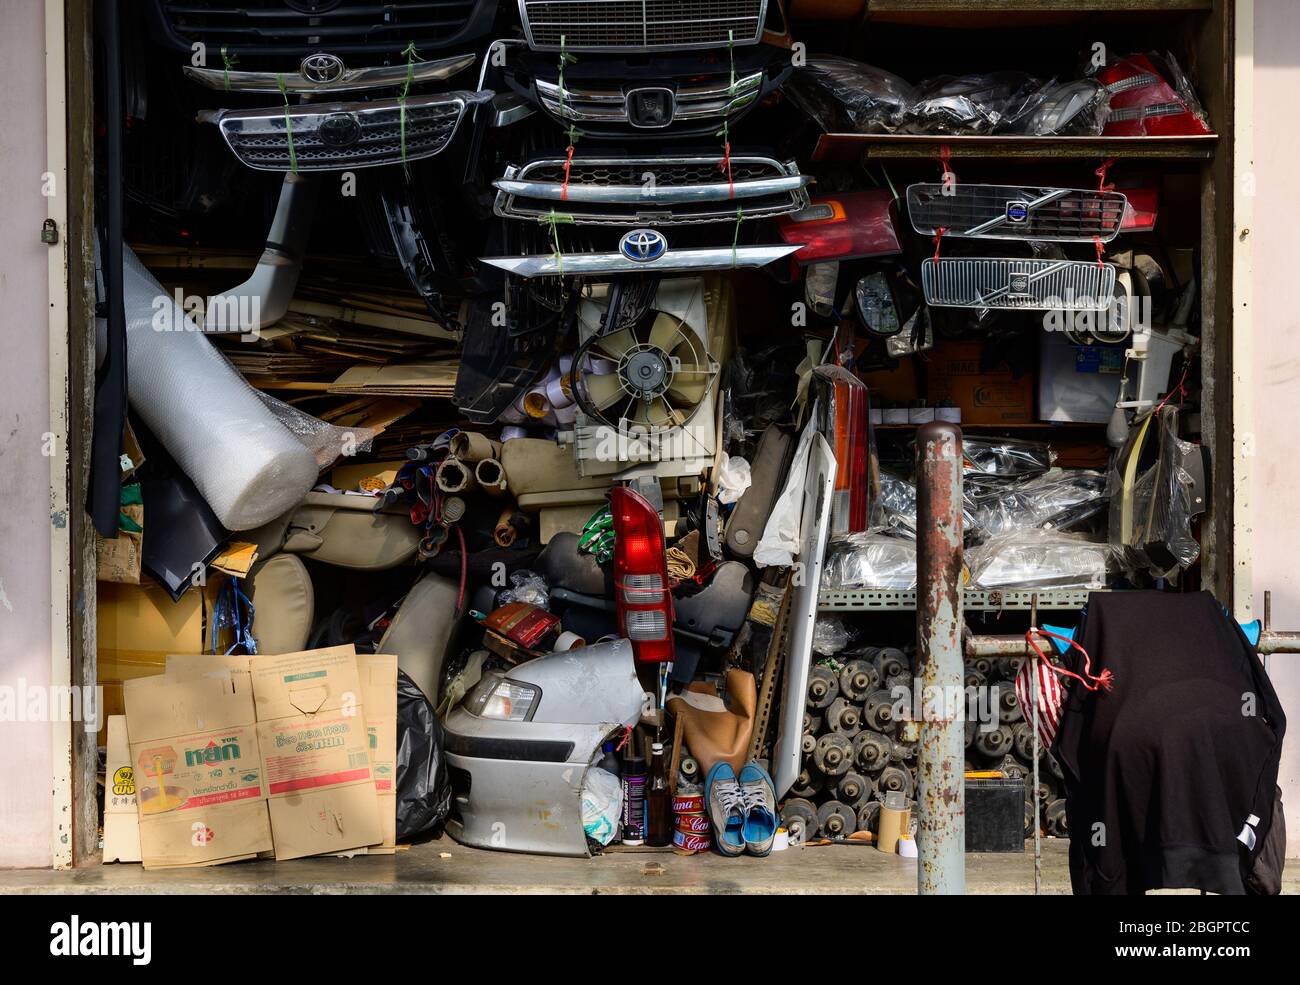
[(1101, 175), (945, 163), (1100, 250), (1105, 680), (725, 165), (568, 163), (938, 236)]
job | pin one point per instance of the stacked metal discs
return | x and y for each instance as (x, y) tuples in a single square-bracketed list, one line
[(858, 747)]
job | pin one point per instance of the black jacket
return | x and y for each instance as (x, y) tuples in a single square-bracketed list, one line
[(1163, 772)]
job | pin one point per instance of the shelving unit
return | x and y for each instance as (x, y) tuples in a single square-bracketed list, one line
[(1034, 6)]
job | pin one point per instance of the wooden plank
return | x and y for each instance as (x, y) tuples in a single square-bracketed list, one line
[(889, 146)]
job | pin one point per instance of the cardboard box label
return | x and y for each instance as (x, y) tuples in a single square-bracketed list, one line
[(306, 756), (198, 770)]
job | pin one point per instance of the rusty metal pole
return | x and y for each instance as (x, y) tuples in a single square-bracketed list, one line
[(941, 823)]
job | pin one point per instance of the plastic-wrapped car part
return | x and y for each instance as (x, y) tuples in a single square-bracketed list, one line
[(1058, 500), (894, 509), (871, 560), (1151, 97), (1004, 458), (245, 463), (502, 358), (847, 96), (1157, 485), (423, 788), (1027, 559), (975, 105), (1069, 109)]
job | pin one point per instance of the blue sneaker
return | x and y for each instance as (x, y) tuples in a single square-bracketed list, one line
[(759, 794), (726, 809)]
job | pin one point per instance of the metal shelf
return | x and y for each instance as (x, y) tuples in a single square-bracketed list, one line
[(893, 146), (880, 600), (1035, 6)]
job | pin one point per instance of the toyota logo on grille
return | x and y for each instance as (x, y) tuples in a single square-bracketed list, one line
[(643, 245), (321, 68), (339, 130)]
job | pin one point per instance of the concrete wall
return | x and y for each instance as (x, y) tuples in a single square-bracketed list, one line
[(25, 747), (1275, 464)]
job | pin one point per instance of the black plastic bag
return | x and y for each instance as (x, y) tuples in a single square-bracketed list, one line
[(423, 787)]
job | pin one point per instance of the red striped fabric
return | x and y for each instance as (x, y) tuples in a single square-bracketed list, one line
[(1051, 698)]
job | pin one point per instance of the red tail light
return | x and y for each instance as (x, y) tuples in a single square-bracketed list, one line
[(1141, 211), (845, 423), (642, 596), (843, 227)]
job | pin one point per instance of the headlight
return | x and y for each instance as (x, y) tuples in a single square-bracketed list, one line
[(502, 699)]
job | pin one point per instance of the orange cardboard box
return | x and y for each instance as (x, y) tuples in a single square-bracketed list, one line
[(986, 398)]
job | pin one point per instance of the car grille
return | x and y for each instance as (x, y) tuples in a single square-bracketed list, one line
[(685, 190), (260, 139), (300, 27), (690, 103), (1059, 215), (640, 25), (1033, 285)]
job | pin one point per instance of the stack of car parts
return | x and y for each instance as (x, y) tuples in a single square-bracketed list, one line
[(859, 743)]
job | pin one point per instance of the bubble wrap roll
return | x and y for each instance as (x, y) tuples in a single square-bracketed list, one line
[(247, 465)]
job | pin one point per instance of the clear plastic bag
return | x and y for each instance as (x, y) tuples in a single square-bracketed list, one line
[(527, 587), (1059, 500), (850, 97), (975, 105), (830, 635), (1028, 559), (870, 560), (327, 442), (1004, 458), (1150, 96), (894, 508), (1151, 522), (602, 805)]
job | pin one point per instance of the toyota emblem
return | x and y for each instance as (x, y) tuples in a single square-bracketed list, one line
[(643, 245), (321, 69)]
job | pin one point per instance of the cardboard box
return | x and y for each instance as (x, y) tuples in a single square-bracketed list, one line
[(986, 398), (379, 696), (315, 752), (121, 822), (198, 772)]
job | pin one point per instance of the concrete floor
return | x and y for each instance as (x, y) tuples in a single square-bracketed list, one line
[(442, 866), (830, 869)]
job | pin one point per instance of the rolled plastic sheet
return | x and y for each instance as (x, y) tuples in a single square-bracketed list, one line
[(248, 466)]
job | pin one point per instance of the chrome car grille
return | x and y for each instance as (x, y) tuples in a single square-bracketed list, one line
[(640, 25), (688, 103), (651, 190), (1032, 285), (297, 28), (342, 135), (1059, 215)]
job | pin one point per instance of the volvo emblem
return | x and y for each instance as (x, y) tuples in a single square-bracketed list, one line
[(643, 245), (1017, 212), (321, 69), (651, 108), (1018, 285), (339, 130)]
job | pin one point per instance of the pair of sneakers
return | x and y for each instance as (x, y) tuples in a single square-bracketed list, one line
[(742, 808)]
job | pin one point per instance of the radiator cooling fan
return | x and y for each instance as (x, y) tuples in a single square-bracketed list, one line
[(645, 384), (663, 374)]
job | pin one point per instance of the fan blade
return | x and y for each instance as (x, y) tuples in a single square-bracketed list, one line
[(603, 391), (690, 388), (666, 331), (615, 344), (654, 414)]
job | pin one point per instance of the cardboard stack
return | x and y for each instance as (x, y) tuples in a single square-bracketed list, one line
[(290, 754)]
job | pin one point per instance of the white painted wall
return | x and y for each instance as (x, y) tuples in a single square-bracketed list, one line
[(1275, 463), (25, 748)]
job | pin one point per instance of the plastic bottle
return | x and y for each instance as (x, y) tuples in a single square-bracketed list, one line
[(609, 759), (658, 806), (634, 791)]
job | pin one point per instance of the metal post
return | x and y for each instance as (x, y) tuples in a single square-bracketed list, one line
[(941, 823)]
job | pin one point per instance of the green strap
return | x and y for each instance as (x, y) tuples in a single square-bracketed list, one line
[(288, 125), (735, 239), (227, 61), (731, 54), (554, 220), (411, 57)]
